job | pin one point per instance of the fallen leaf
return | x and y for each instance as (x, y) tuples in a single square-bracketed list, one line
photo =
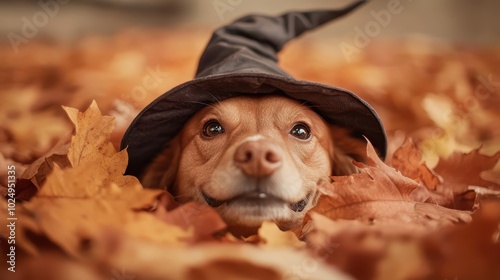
[(30, 132), (408, 160), (364, 250), (142, 258), (380, 192), (202, 220), (92, 132), (92, 195), (395, 250), (272, 236), (492, 175), (470, 251), (458, 178), (38, 170)]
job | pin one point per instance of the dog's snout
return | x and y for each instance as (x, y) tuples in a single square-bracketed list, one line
[(259, 158)]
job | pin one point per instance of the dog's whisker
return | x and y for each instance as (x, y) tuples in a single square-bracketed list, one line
[(304, 103), (216, 100), (180, 196), (202, 103), (315, 106), (211, 105)]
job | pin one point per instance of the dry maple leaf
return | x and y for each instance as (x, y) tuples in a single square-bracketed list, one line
[(38, 170), (76, 204), (408, 160), (459, 170), (92, 132), (380, 192)]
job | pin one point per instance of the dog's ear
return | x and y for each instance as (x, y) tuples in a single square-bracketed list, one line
[(161, 173), (346, 149)]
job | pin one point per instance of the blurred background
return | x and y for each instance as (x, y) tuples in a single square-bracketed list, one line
[(430, 68), (454, 20)]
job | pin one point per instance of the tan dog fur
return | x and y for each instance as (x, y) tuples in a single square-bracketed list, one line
[(193, 164)]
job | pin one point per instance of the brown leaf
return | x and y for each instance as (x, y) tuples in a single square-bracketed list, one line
[(471, 251), (492, 175), (361, 249), (202, 220), (380, 192), (408, 160), (38, 170), (462, 170), (25, 190), (395, 250)]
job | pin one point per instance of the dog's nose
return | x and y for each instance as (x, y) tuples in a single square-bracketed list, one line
[(259, 158)]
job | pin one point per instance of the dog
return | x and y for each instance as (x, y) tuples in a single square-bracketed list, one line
[(255, 159)]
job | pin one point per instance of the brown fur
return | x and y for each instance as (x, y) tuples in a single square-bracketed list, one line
[(191, 164)]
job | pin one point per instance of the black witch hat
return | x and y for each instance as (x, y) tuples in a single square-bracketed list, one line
[(241, 59)]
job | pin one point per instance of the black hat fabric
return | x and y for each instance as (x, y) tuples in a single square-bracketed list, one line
[(241, 59)]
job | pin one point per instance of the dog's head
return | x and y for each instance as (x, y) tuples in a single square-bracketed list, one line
[(254, 159)]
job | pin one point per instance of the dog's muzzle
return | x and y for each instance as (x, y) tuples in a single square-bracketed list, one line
[(257, 198)]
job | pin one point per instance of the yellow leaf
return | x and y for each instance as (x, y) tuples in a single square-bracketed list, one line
[(274, 237), (92, 132), (74, 223)]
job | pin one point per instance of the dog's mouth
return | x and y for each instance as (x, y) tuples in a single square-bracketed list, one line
[(257, 198)]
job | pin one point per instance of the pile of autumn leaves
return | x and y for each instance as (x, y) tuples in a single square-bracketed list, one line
[(89, 221)]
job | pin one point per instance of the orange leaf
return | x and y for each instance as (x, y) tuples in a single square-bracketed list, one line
[(201, 219), (92, 132), (460, 170), (274, 237), (380, 192), (408, 160)]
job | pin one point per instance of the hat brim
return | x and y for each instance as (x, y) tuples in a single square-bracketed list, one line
[(162, 119)]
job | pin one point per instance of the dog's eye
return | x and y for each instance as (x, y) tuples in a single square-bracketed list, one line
[(212, 129), (301, 131)]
